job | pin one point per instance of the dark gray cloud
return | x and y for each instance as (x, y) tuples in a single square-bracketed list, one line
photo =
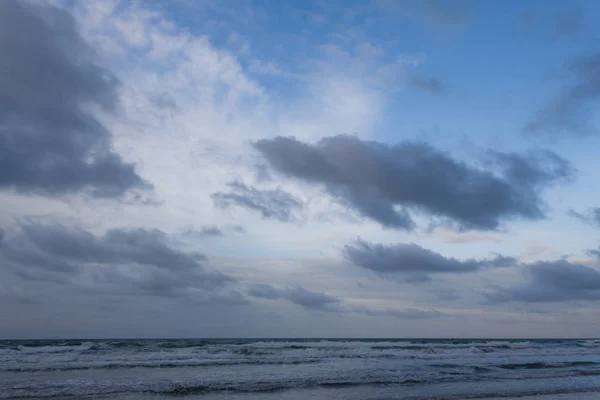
[(309, 299), (375, 179), (538, 168), (570, 110), (122, 261), (205, 231), (414, 262), (50, 140), (295, 294), (552, 281), (432, 85), (264, 291), (213, 231), (568, 23), (272, 204), (591, 217)]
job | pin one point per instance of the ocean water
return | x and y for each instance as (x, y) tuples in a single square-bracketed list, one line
[(300, 369)]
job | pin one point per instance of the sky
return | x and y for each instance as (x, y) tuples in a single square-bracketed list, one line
[(409, 168)]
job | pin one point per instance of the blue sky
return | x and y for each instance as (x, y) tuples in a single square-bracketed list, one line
[(197, 167), (496, 61)]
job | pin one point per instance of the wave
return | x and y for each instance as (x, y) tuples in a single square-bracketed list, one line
[(66, 348), (542, 365), (270, 386), (159, 364), (190, 388), (274, 386), (589, 343), (456, 369), (114, 354), (284, 345)]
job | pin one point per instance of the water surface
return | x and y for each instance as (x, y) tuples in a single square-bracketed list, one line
[(299, 369)]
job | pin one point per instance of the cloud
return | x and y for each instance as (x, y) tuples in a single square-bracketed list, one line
[(212, 231), (449, 13), (122, 261), (591, 217), (432, 85), (404, 313), (272, 204), (295, 294), (538, 168), (310, 300), (570, 110), (446, 12), (595, 253), (445, 295), (51, 142), (416, 278), (375, 179), (367, 62), (568, 23), (526, 17), (264, 291), (451, 236), (552, 281), (414, 262), (206, 231), (238, 229)]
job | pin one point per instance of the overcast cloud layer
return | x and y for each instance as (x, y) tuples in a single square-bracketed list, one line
[(343, 169)]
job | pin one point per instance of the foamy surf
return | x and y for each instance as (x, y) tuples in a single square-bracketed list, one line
[(265, 369)]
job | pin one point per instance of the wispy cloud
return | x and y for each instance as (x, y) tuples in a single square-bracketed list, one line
[(590, 217), (446, 13), (569, 111), (276, 204), (568, 23)]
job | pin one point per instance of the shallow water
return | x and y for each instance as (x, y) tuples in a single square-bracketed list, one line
[(300, 369)]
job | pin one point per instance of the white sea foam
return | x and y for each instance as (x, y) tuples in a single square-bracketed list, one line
[(256, 365), (590, 343), (54, 349)]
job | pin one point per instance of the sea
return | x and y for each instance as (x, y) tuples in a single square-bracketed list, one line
[(294, 369)]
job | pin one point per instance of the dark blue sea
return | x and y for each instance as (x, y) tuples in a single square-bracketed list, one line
[(300, 369)]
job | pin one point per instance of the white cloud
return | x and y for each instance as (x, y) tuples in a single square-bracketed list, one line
[(189, 108)]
